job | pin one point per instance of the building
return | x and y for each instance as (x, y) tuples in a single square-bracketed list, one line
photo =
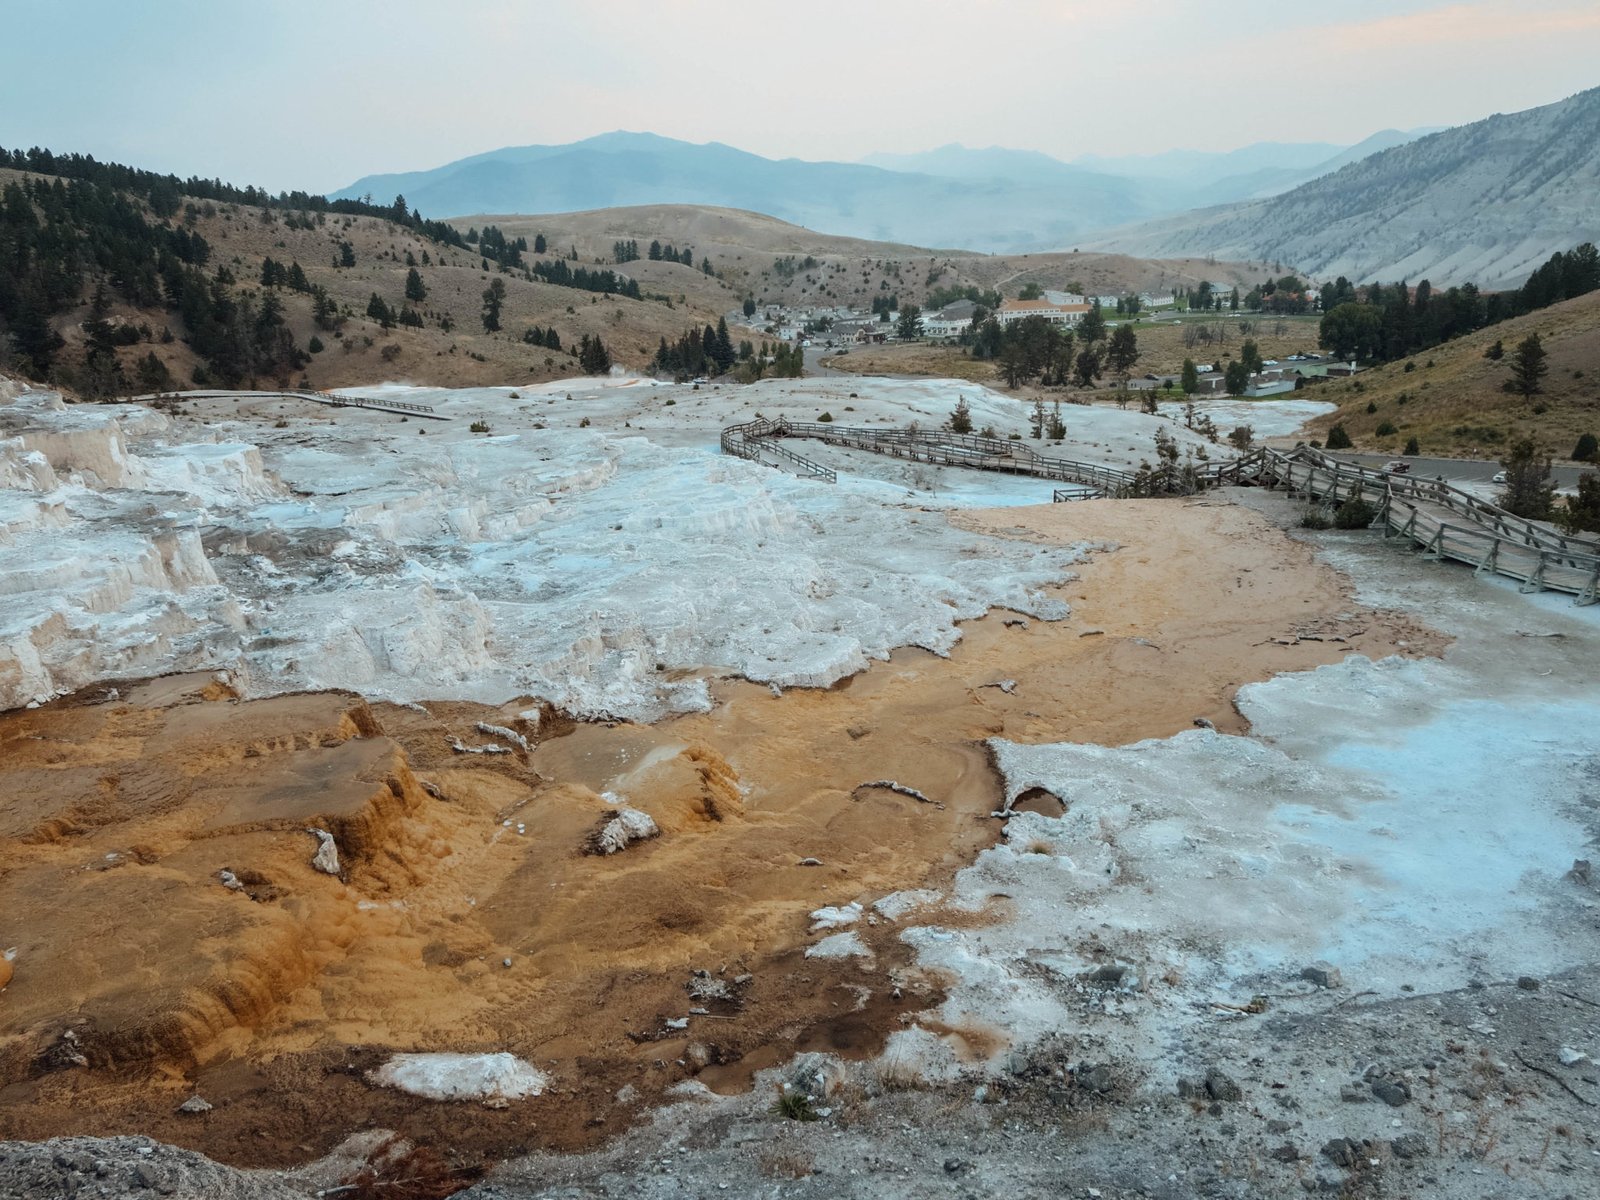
[(1056, 314), (950, 321)]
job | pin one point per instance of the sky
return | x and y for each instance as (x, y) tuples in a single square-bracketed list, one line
[(314, 94)]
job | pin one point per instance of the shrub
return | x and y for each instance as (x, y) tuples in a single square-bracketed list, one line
[(1410, 367), (795, 1106), (1354, 513), (1315, 518), (1387, 429), (1587, 449), (1372, 406), (583, 424), (827, 416), (480, 427), (315, 344), (1338, 439), (1412, 449)]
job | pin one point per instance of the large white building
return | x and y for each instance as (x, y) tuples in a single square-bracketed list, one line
[(1056, 314)]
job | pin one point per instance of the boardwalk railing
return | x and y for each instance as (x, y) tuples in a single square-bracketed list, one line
[(316, 397), (752, 439), (1444, 520)]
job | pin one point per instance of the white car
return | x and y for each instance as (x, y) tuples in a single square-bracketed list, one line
[(1499, 477)]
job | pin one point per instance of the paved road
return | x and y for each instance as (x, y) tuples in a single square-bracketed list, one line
[(1473, 470)]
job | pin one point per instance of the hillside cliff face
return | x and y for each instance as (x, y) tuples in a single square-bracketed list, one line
[(1485, 202)]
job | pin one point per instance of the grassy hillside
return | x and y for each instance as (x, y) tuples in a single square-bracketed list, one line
[(743, 245), (452, 348), (360, 351), (1457, 407)]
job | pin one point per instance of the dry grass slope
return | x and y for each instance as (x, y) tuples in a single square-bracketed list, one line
[(1457, 406)]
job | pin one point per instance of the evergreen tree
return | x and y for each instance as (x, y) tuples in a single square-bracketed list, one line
[(1528, 490), (1412, 448), (1237, 377), (416, 290), (749, 307), (493, 297), (539, 244), (347, 255), (1190, 378), (1582, 512), (1093, 326), (593, 356), (961, 417), (1528, 367), (379, 311), (1587, 449), (722, 350), (1122, 351), (1056, 428), (909, 326), (1338, 439)]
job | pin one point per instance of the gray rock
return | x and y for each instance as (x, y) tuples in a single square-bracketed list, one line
[(1410, 1145), (1528, 983), (1393, 1092), (194, 1105), (1324, 975), (1352, 1094), (1222, 1088), (1342, 1152), (1285, 1153), (1277, 1126)]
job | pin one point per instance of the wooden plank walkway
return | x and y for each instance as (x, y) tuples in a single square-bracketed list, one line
[(1443, 520), (316, 397)]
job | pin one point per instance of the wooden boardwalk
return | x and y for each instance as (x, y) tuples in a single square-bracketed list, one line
[(1443, 520), (316, 397)]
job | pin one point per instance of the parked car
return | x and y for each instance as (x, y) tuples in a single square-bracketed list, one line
[(1398, 467), (1499, 477)]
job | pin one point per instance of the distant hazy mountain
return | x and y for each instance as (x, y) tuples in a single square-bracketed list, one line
[(619, 169), (1484, 202), (995, 199)]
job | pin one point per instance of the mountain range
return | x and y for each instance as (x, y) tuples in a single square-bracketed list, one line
[(1485, 202), (995, 199)]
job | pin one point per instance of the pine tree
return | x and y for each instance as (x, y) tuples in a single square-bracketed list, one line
[(493, 297), (1338, 439), (1190, 378), (1587, 449), (539, 244), (1528, 490), (416, 290), (1528, 367), (723, 350), (379, 311), (1056, 430), (961, 417)]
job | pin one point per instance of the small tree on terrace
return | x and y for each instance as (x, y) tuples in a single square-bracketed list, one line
[(1528, 367), (1241, 437), (1528, 490), (1056, 429), (1036, 420), (961, 417)]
